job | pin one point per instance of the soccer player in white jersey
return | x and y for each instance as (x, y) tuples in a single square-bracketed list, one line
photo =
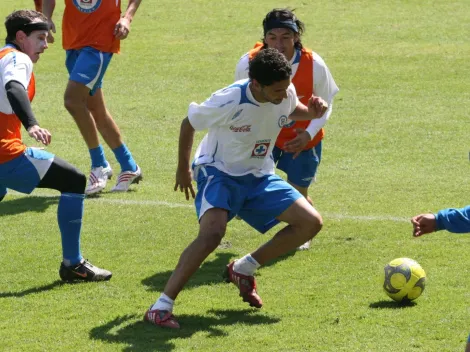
[(22, 168), (234, 172), (298, 148)]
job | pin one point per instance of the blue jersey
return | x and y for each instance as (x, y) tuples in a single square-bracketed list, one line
[(454, 220)]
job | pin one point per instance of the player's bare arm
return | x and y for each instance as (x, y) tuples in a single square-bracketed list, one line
[(183, 171), (123, 27), (315, 109), (48, 7)]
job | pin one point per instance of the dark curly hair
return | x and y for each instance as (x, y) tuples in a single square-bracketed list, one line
[(269, 66), (285, 15), (17, 20)]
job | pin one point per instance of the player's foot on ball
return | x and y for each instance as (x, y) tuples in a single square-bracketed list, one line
[(246, 285), (98, 178), (305, 246), (163, 318), (126, 178), (83, 271)]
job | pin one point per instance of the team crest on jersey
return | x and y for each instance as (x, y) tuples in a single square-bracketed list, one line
[(87, 6), (261, 148), (284, 121)]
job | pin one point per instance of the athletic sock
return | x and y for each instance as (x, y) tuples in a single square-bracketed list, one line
[(97, 157), (69, 217), (246, 265), (125, 159), (164, 303)]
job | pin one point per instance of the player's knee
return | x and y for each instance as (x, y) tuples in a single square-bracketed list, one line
[(314, 224), (212, 237), (76, 183), (73, 102)]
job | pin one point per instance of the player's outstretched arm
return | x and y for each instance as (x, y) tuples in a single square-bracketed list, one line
[(123, 26), (452, 220), (183, 171)]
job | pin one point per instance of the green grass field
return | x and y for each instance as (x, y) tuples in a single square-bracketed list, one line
[(396, 145)]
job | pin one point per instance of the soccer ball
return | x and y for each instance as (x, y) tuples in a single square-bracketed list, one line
[(404, 279)]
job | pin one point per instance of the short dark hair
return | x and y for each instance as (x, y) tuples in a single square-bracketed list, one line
[(17, 21), (285, 15), (269, 66)]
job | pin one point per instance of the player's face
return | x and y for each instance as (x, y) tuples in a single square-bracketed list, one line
[(34, 44), (276, 92), (283, 40)]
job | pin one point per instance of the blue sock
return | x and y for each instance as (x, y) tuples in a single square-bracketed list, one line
[(97, 157), (69, 216), (125, 159)]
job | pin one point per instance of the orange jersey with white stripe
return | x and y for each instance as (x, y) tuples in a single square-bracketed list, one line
[(303, 83), (11, 144), (91, 23)]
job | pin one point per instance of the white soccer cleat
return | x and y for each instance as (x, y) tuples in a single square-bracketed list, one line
[(305, 246), (98, 178), (126, 178)]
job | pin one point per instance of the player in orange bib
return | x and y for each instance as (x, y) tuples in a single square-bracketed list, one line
[(23, 169), (91, 34), (298, 148)]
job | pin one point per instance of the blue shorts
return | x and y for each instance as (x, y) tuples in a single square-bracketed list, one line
[(87, 66), (300, 171), (25, 172), (257, 200)]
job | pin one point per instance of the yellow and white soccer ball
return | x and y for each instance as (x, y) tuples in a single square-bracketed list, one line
[(404, 279)]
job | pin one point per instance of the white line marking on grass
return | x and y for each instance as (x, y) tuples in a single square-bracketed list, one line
[(182, 205)]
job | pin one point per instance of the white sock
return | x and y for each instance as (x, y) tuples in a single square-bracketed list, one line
[(246, 265), (164, 303)]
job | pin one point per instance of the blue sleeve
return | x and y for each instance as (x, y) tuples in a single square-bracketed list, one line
[(454, 220)]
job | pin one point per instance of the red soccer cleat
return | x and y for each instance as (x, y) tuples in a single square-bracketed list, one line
[(161, 318), (246, 284)]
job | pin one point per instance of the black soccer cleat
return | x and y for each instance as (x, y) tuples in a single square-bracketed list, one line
[(84, 271)]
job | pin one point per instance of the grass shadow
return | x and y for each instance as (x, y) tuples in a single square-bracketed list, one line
[(392, 305), (31, 290), (143, 336), (16, 205), (210, 272)]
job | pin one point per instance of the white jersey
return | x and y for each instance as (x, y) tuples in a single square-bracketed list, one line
[(15, 66), (242, 131), (324, 85)]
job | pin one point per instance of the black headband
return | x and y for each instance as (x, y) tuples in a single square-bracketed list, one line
[(34, 26), (275, 23)]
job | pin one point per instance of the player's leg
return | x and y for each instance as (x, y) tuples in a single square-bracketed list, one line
[(39, 168), (215, 194), (211, 231), (66, 179), (272, 201), (85, 67), (301, 172), (130, 171), (304, 224), (38, 5)]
